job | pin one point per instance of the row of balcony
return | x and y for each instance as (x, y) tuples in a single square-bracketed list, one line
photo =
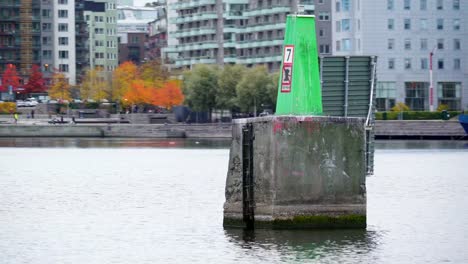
[(191, 4), (251, 59), (226, 44)]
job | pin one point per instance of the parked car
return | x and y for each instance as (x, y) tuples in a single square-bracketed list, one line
[(52, 101), (31, 102), (20, 103)]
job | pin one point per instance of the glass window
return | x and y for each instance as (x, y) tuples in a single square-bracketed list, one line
[(424, 64), (62, 27), (423, 4), (338, 26), (391, 43), (440, 4), (456, 24), (407, 23), (456, 64), (385, 95), (391, 63), (45, 12), (346, 44), (337, 6), (440, 23), (456, 44), (345, 25), (456, 4), (390, 4), (423, 23), (416, 95), (338, 45), (63, 2), (63, 54), (440, 64), (345, 5), (47, 54), (391, 24), (407, 44), (46, 26), (440, 44), (423, 44), (63, 40), (407, 4), (63, 67), (63, 13), (449, 93), (407, 63), (324, 16)]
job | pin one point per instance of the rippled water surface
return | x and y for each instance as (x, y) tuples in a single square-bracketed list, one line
[(160, 201)]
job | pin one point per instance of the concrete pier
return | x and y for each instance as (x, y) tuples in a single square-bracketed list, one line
[(308, 172)]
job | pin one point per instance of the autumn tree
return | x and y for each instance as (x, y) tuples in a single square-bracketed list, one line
[(60, 88), (10, 77), (169, 95), (138, 93), (94, 85), (228, 79), (154, 73), (36, 81), (253, 90), (199, 87), (122, 79)]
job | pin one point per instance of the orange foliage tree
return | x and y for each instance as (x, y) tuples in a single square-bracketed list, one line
[(138, 93), (169, 95), (10, 77), (122, 79)]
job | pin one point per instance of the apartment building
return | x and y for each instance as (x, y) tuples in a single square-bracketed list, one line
[(403, 35), (235, 31), (101, 18)]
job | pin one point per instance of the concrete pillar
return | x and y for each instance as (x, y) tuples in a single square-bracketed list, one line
[(309, 172)]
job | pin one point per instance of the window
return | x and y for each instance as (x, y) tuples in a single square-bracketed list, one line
[(391, 64), (46, 26), (407, 63), (62, 27), (385, 95), (345, 5), (391, 24), (99, 43), (63, 2), (338, 45), (345, 25), (63, 67), (338, 26), (416, 95), (424, 64), (440, 44), (440, 64), (390, 4), (99, 30), (337, 6), (324, 16), (440, 4), (407, 4), (45, 13), (47, 54), (423, 4), (440, 23), (63, 41), (456, 44), (407, 44), (46, 41), (456, 64), (346, 44), (407, 23), (391, 44), (456, 4), (423, 44), (63, 13), (449, 93), (63, 54), (456, 24), (423, 23)]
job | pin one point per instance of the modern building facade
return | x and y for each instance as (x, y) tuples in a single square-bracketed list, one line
[(101, 18), (403, 35), (234, 31)]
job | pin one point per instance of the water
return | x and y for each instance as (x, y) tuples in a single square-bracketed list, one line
[(112, 201)]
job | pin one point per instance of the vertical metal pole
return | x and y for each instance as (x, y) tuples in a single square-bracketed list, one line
[(247, 176), (346, 87), (431, 88)]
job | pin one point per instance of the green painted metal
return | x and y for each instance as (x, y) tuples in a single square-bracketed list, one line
[(299, 91)]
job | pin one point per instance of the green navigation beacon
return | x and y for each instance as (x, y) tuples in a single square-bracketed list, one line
[(299, 91)]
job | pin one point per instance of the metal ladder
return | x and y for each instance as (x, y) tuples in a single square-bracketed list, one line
[(248, 202)]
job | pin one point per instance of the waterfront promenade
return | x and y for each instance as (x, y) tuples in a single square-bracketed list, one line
[(391, 129)]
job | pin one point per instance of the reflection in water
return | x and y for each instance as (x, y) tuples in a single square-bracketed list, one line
[(318, 245), (114, 143)]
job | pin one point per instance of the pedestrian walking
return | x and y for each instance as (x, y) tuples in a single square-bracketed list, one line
[(15, 116), (32, 114)]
